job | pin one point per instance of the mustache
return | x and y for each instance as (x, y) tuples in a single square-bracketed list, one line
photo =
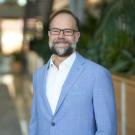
[(60, 41)]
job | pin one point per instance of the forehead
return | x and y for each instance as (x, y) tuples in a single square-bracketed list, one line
[(63, 20)]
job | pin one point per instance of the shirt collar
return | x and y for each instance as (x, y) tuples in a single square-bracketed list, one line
[(67, 63)]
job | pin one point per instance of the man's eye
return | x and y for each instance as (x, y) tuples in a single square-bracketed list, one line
[(55, 30), (68, 31)]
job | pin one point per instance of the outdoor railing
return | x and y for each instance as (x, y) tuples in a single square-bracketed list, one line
[(125, 104)]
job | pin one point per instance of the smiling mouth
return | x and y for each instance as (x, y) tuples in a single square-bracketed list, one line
[(58, 42), (61, 44)]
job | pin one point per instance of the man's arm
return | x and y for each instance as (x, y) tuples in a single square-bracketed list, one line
[(104, 104), (33, 120)]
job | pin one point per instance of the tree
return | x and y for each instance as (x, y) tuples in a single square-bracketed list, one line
[(114, 42)]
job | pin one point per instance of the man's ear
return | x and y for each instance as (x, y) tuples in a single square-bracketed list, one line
[(48, 33), (77, 36)]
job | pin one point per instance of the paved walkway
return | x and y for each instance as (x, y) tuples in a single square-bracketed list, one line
[(9, 123)]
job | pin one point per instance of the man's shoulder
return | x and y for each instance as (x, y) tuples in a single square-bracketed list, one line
[(39, 71), (94, 67), (93, 64)]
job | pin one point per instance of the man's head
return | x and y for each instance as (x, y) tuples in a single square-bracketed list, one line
[(63, 33)]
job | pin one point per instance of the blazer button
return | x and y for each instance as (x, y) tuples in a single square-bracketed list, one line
[(53, 123)]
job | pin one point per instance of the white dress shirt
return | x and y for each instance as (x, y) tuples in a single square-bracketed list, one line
[(56, 78)]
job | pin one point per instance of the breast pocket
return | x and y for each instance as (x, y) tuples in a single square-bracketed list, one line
[(81, 89)]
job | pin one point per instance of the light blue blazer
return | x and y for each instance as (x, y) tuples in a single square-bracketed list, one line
[(86, 105)]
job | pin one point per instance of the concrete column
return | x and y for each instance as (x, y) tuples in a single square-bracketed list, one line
[(123, 108), (44, 9), (77, 7)]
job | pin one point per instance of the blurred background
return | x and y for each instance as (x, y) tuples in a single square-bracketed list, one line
[(107, 37)]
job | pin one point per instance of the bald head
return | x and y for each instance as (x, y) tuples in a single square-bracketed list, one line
[(64, 14)]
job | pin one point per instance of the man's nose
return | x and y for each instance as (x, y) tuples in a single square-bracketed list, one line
[(61, 34)]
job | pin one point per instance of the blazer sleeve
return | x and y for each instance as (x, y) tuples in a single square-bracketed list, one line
[(104, 104), (33, 120)]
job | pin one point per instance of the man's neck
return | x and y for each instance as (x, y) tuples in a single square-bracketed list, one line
[(58, 60)]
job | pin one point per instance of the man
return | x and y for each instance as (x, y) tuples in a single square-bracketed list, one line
[(72, 95)]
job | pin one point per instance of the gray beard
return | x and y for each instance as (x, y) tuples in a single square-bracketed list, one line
[(62, 52)]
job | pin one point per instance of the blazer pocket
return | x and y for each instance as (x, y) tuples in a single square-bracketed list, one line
[(78, 90)]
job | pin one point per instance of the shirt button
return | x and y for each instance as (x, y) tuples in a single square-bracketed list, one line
[(53, 123)]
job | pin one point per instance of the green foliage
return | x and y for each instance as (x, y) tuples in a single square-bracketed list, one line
[(87, 34), (114, 43), (17, 56), (40, 46)]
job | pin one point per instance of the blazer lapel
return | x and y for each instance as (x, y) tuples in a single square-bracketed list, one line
[(45, 99), (74, 73)]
